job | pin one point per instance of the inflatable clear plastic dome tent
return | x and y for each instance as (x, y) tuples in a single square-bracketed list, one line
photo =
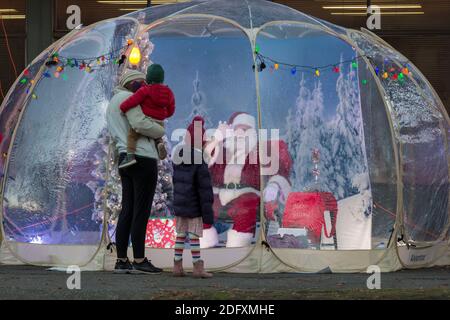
[(362, 170)]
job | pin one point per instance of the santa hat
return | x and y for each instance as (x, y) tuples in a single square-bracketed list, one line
[(190, 137), (242, 118)]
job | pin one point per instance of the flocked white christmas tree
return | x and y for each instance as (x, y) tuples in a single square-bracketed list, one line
[(347, 141), (162, 201), (307, 132), (340, 142), (198, 102)]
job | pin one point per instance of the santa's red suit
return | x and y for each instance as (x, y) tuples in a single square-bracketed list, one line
[(236, 182)]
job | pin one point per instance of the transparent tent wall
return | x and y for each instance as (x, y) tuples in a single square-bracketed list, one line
[(9, 115), (320, 121), (15, 98), (250, 13), (425, 88), (56, 167), (419, 78), (381, 158), (420, 131), (11, 108), (208, 65), (148, 15)]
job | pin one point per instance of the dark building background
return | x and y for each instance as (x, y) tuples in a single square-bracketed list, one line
[(423, 38)]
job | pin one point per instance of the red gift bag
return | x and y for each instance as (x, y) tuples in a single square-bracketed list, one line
[(161, 233), (306, 210)]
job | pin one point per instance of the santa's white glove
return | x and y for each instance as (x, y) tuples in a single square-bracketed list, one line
[(216, 141), (271, 192), (221, 132)]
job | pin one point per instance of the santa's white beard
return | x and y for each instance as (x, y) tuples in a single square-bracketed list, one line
[(238, 147), (237, 150)]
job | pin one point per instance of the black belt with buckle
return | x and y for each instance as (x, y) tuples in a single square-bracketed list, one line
[(234, 186)]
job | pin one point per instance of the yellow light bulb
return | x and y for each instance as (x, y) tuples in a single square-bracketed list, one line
[(135, 56)]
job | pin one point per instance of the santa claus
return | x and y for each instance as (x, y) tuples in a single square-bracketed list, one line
[(236, 173)]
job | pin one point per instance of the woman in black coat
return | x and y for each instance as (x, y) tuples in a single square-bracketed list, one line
[(193, 198)]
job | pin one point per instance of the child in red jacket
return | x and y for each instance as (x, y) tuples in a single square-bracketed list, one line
[(157, 102)]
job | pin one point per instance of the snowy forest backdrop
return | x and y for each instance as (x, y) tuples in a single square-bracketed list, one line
[(340, 140)]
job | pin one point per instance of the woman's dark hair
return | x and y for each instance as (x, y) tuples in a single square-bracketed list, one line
[(135, 85)]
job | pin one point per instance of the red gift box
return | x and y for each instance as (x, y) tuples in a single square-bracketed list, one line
[(161, 233)]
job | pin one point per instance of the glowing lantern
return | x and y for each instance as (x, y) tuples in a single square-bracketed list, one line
[(135, 56)]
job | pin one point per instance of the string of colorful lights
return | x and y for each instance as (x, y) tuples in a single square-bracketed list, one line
[(87, 64), (276, 65), (90, 64), (264, 62)]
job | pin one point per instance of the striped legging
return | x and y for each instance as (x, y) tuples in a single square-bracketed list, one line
[(194, 242)]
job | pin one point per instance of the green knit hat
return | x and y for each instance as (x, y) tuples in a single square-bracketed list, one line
[(155, 74)]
